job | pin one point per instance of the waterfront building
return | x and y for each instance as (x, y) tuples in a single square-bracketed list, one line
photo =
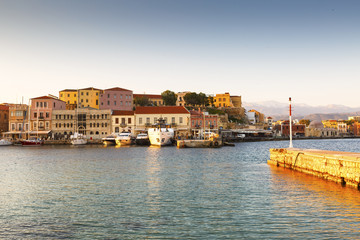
[(116, 99), (197, 120), (93, 123), (18, 121), (255, 117), (4, 118), (154, 99), (356, 128), (284, 129), (342, 127), (177, 116), (316, 129), (269, 121), (89, 97), (123, 121), (41, 109), (70, 97), (355, 118), (180, 98)]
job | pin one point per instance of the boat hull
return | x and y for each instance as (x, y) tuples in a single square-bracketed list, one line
[(161, 138), (32, 143), (142, 142)]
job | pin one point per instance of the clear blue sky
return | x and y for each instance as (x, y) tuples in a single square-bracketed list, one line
[(261, 50)]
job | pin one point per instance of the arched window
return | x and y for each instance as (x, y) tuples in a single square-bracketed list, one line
[(97, 133)]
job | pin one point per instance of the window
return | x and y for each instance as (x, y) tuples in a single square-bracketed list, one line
[(115, 103), (173, 120), (35, 115), (108, 95), (47, 125), (47, 115), (180, 120), (45, 104), (140, 120), (148, 120), (155, 119), (87, 93), (116, 120), (41, 115), (87, 100), (68, 95), (82, 93), (108, 103), (13, 127), (54, 105), (129, 120), (97, 102), (122, 120), (165, 118), (114, 95)]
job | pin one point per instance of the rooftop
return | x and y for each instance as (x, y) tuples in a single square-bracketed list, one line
[(117, 89), (122, 113), (162, 110), (147, 95)]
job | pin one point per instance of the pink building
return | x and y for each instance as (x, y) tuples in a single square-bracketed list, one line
[(116, 99), (40, 113), (197, 120)]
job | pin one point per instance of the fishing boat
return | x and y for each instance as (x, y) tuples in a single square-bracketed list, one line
[(161, 134)]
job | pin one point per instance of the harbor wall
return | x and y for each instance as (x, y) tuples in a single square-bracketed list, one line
[(341, 167)]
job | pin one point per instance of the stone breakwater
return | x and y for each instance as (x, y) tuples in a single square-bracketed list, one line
[(341, 167)]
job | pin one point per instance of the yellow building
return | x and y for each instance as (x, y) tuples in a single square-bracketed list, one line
[(89, 97), (70, 97), (330, 124), (222, 100), (225, 100)]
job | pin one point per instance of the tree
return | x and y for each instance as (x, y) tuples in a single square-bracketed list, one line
[(203, 99), (169, 98), (305, 121), (211, 101), (191, 99), (142, 101)]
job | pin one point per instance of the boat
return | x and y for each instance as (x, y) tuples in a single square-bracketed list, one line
[(78, 139), (109, 140), (4, 142), (161, 134), (34, 141), (142, 139), (124, 138)]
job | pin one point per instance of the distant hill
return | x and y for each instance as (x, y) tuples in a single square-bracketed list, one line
[(279, 110)]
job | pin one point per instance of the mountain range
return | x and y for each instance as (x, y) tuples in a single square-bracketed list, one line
[(278, 110)]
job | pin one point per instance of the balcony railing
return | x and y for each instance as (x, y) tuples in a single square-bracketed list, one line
[(123, 125)]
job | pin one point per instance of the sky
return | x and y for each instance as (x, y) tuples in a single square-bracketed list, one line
[(261, 50)]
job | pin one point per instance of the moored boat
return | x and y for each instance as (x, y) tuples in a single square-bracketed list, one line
[(109, 140), (78, 139), (142, 139), (161, 134), (4, 142), (32, 142), (124, 138)]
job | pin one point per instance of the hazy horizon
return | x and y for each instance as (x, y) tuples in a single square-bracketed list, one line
[(258, 49)]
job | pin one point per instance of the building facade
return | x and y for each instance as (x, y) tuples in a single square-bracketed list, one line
[(4, 118), (19, 125), (116, 99), (123, 121), (89, 97), (70, 97), (198, 119), (177, 116), (180, 98), (93, 123), (283, 129), (41, 109)]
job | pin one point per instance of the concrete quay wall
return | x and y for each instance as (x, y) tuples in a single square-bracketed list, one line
[(341, 167)]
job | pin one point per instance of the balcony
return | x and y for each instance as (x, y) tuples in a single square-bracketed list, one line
[(173, 124), (123, 125), (148, 124)]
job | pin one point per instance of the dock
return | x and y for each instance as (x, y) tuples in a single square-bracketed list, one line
[(341, 167)]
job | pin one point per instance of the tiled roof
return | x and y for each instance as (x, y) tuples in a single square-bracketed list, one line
[(47, 97), (3, 107), (147, 95), (122, 113), (117, 89), (69, 90), (161, 110), (90, 88)]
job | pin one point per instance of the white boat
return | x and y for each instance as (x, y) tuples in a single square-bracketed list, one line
[(78, 139), (161, 134), (142, 139), (124, 138), (4, 142), (109, 140)]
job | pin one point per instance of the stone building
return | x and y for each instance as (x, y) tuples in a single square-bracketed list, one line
[(123, 121), (93, 123), (180, 98), (4, 118), (317, 129)]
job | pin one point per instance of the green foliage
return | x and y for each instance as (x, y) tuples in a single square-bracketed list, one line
[(195, 99), (142, 101), (215, 111), (305, 121), (169, 98)]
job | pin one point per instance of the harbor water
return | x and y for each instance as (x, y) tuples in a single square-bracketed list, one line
[(97, 192)]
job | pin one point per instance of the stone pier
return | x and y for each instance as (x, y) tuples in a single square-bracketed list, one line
[(341, 167)]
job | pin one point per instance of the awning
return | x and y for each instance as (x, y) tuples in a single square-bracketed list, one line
[(40, 132), (15, 132), (140, 129)]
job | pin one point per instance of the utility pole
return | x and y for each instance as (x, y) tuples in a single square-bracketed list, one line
[(290, 124)]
